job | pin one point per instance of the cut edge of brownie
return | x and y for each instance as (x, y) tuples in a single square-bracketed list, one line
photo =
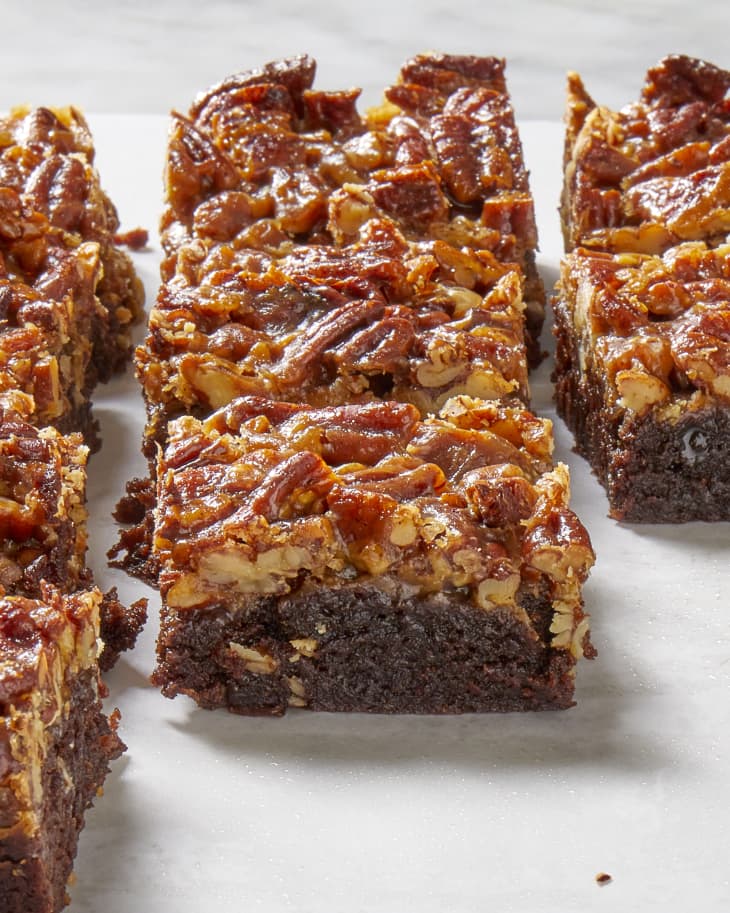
[(365, 647), (655, 470), (56, 743)]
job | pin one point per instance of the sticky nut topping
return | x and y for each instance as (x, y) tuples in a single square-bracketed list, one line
[(659, 325), (263, 495)]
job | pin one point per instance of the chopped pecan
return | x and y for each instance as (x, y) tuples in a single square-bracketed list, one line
[(499, 495), (558, 545), (58, 188), (303, 475), (195, 169), (448, 72), (411, 194), (378, 349), (411, 144), (299, 199), (335, 111), (296, 74), (308, 348)]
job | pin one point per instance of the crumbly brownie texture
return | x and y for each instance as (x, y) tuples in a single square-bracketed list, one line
[(643, 378), (55, 742), (358, 558), (265, 162), (642, 361), (378, 318), (52, 203), (655, 173)]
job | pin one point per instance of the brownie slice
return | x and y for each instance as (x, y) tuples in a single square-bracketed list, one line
[(264, 161), (642, 329), (55, 742), (378, 318), (42, 508), (52, 203), (43, 535), (657, 172), (643, 378), (358, 558), (45, 348)]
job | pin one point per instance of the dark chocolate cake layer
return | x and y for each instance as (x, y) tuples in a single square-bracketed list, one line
[(365, 647)]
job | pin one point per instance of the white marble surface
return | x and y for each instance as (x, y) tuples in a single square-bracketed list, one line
[(147, 56)]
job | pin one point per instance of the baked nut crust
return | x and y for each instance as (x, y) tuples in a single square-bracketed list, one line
[(642, 318), (55, 742), (265, 161), (268, 502)]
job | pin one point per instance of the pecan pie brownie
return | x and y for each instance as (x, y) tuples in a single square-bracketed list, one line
[(53, 208), (265, 161), (55, 742), (43, 535), (655, 173), (641, 310), (643, 377), (350, 507), (379, 318), (358, 558)]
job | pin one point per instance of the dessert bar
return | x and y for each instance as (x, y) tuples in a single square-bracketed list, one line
[(350, 505), (643, 377), (55, 742), (43, 534), (655, 173), (57, 232), (68, 297), (42, 508), (379, 318), (263, 161), (641, 311), (45, 352), (358, 558)]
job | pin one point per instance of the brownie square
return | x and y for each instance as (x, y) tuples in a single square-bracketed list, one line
[(655, 173), (55, 742), (358, 558), (643, 378), (53, 207), (642, 356)]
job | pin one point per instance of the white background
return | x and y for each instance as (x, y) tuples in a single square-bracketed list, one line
[(326, 814), (152, 55)]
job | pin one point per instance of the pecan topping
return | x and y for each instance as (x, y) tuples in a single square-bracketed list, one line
[(264, 496)]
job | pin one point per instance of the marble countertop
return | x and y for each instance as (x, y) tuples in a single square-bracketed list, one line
[(143, 57)]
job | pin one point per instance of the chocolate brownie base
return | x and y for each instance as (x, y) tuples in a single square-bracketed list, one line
[(358, 648), (35, 868), (653, 471)]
